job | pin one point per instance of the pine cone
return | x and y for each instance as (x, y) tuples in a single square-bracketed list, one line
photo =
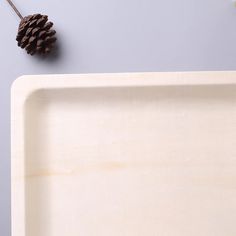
[(35, 34)]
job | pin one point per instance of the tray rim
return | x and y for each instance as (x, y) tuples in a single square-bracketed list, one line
[(29, 83), (24, 86)]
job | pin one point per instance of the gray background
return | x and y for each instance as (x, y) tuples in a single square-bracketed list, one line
[(113, 36)]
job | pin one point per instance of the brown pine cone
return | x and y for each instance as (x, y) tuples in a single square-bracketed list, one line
[(35, 34)]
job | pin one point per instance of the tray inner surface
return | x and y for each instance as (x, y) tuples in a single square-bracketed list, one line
[(131, 161)]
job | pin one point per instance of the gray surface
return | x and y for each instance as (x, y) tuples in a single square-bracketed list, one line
[(114, 36)]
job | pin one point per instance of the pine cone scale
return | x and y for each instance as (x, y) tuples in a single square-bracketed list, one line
[(40, 43), (35, 31), (28, 32), (48, 26), (24, 41), (36, 16), (41, 22), (42, 34)]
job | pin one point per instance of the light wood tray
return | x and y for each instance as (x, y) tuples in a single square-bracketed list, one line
[(150, 154)]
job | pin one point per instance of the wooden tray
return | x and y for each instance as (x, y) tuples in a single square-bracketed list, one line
[(149, 154)]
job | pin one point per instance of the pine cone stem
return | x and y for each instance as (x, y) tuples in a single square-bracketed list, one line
[(15, 9)]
